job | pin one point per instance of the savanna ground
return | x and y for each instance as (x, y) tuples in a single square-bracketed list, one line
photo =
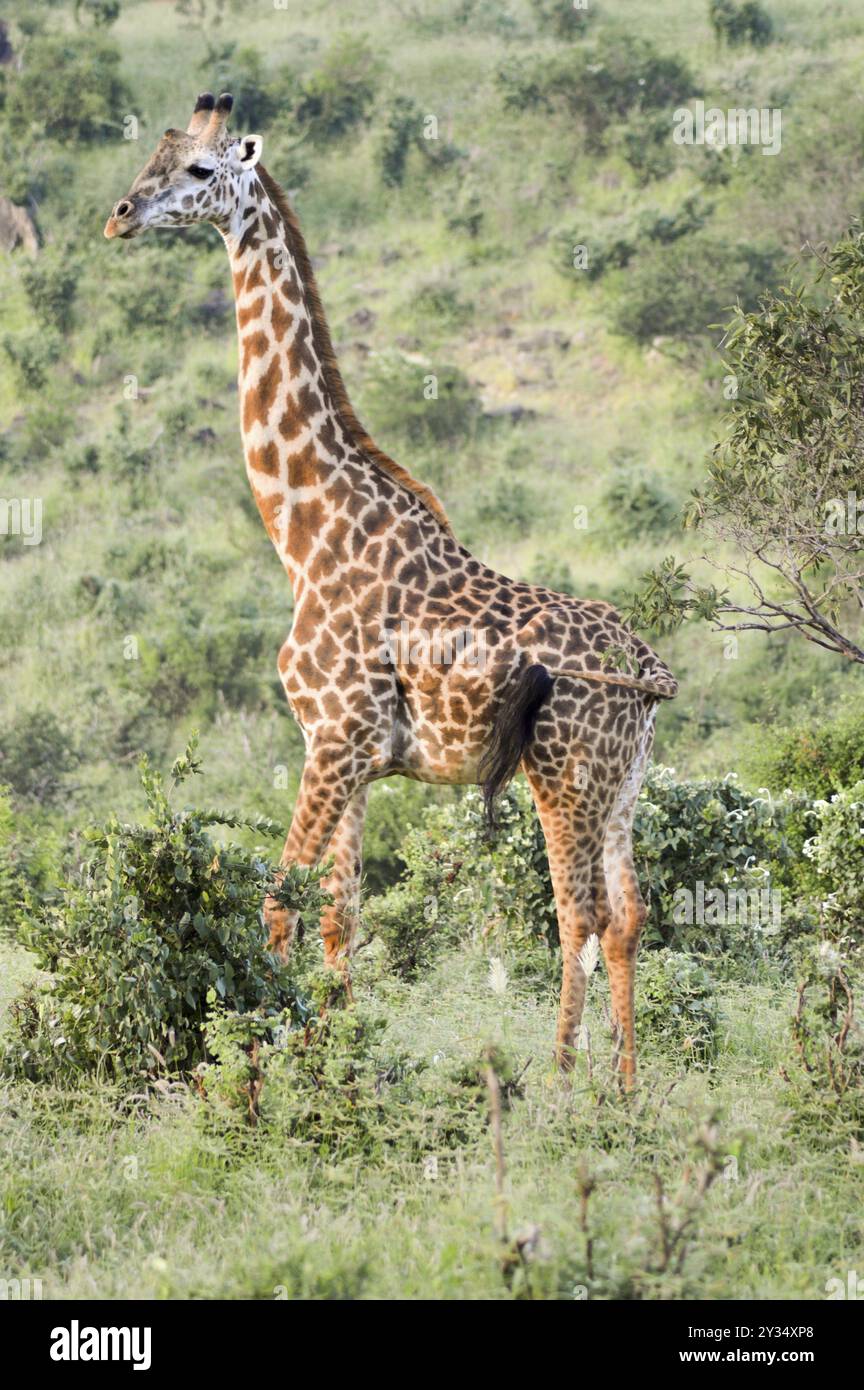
[(574, 418)]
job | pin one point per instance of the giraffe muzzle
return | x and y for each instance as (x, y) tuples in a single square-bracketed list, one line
[(119, 223)]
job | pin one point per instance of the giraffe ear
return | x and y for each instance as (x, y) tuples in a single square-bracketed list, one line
[(248, 151)]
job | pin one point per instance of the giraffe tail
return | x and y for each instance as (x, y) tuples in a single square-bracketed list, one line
[(511, 734)]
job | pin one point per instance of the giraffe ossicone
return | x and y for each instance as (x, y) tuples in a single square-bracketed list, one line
[(369, 551)]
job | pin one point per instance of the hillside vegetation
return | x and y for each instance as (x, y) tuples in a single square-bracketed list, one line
[(491, 193)]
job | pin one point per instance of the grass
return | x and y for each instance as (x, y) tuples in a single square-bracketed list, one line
[(111, 1199)]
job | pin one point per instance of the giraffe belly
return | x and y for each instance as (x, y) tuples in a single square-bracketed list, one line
[(441, 726)]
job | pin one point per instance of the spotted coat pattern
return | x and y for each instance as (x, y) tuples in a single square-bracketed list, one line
[(403, 644)]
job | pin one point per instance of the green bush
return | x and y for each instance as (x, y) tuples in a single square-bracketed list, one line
[(339, 94), (562, 18), (424, 403), (318, 1084), (394, 804), (736, 24), (613, 245), (30, 862), (11, 885), (508, 507), (548, 572), (836, 852), (676, 1008), (819, 757), (597, 83), (36, 755), (159, 925), (644, 144), (33, 353), (686, 834), (714, 833), (51, 284), (636, 500), (199, 660), (256, 101), (681, 290), (825, 1067), (68, 88)]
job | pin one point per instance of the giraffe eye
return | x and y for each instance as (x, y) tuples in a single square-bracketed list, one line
[(199, 171)]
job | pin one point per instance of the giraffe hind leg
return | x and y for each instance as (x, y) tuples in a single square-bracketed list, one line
[(620, 940), (574, 845)]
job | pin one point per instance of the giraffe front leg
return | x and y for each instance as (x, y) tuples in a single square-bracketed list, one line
[(339, 919), (329, 787)]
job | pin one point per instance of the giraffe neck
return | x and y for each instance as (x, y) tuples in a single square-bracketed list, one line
[(294, 441)]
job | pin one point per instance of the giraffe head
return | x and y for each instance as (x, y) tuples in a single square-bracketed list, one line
[(196, 175)]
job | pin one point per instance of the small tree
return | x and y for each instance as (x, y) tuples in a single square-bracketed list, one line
[(786, 484)]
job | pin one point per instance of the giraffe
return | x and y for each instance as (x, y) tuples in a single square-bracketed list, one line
[(406, 654)]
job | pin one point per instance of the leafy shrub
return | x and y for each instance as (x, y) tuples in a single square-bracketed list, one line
[(709, 832), (738, 24), (607, 248), (319, 1083), (551, 573), (69, 88), (338, 94), (676, 1008), (712, 833), (393, 805), (149, 290), (562, 18), (401, 131), (458, 881), (816, 757), (637, 502), (441, 301), (30, 861), (825, 1071), (681, 290), (613, 245), (36, 753), (419, 402), (33, 353), (665, 227), (240, 71), (598, 83), (508, 507), (101, 13), (837, 854), (196, 662), (644, 143), (51, 283), (404, 132), (11, 885), (160, 924)]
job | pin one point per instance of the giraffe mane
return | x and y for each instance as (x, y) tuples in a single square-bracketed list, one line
[(332, 375)]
